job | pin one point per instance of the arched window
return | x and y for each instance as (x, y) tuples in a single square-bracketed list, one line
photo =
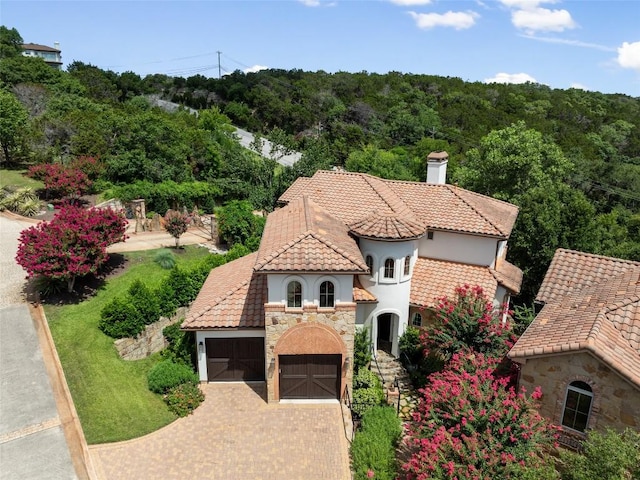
[(417, 320), (294, 294), (407, 265), (577, 406), (369, 262), (389, 268), (327, 294)]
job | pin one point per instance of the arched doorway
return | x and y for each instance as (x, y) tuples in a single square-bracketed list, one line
[(384, 337)]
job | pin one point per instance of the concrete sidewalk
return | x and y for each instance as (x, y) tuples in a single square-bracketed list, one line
[(40, 435), (160, 239), (32, 439)]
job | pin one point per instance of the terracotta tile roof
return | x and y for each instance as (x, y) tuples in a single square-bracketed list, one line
[(600, 318), (433, 279), (387, 226), (509, 275), (571, 270), (360, 294), (355, 197), (302, 236), (233, 296)]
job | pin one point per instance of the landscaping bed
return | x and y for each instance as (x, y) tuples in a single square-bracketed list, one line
[(111, 395)]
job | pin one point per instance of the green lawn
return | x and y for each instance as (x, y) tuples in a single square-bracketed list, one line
[(111, 394), (17, 178)]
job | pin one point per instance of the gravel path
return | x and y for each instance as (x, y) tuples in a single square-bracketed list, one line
[(12, 275)]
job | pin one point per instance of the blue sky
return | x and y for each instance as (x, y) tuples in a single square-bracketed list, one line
[(590, 44)]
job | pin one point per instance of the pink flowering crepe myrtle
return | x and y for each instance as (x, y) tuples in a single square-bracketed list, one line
[(71, 245), (470, 425)]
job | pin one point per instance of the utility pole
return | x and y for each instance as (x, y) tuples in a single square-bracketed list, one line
[(219, 68)]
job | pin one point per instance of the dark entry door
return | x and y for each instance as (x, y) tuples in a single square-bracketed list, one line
[(309, 376), (235, 359), (384, 332)]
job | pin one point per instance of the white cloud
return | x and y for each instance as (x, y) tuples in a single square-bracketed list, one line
[(409, 3), (579, 86), (524, 4), (457, 20), (317, 3), (573, 43), (511, 78), (535, 19), (629, 55), (255, 68)]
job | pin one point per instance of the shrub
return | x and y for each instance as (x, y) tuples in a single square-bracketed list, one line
[(184, 288), (606, 455), (23, 201), (166, 299), (367, 391), (373, 447), (467, 322), (184, 399), (469, 425), (361, 350), (144, 301), (166, 375), (165, 259), (119, 319), (182, 348)]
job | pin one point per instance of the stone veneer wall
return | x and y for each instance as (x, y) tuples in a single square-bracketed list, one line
[(150, 340), (616, 402), (333, 334)]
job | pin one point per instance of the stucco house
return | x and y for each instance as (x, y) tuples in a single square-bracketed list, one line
[(51, 55), (583, 348), (346, 251)]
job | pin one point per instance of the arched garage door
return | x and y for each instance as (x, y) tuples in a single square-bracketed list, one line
[(235, 359), (309, 376)]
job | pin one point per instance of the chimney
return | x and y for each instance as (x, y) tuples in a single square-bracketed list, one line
[(56, 45), (437, 168)]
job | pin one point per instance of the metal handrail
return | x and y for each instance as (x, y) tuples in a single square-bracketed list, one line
[(346, 400), (375, 359)]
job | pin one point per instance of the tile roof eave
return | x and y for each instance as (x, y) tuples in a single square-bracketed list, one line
[(572, 349), (501, 236), (222, 329)]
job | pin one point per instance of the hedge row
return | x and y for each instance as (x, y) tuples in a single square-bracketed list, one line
[(127, 316), (160, 197), (373, 451)]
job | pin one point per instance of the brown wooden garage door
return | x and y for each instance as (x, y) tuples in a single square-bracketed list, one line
[(235, 359), (309, 376)]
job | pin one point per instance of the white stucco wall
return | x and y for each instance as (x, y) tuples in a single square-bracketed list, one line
[(392, 294), (457, 247), (277, 287), (202, 351)]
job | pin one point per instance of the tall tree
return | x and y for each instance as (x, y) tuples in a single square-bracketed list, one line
[(13, 121), (10, 42)]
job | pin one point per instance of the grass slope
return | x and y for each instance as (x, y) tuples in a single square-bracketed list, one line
[(17, 178), (111, 394)]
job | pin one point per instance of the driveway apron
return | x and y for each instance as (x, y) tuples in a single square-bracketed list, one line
[(236, 435)]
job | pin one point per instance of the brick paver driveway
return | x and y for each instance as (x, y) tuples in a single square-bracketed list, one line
[(235, 435)]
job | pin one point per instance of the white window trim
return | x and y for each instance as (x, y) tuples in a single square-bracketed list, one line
[(305, 291), (385, 279), (564, 405)]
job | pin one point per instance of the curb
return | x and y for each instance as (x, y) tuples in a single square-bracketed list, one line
[(69, 419)]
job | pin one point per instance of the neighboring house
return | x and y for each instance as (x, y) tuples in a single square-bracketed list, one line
[(51, 56), (346, 251), (583, 348)]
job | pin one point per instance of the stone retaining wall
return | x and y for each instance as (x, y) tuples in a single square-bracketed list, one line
[(150, 340)]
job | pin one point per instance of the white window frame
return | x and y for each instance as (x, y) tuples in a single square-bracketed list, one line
[(332, 294), (580, 391)]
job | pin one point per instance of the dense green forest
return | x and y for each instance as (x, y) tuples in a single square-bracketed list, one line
[(570, 159)]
